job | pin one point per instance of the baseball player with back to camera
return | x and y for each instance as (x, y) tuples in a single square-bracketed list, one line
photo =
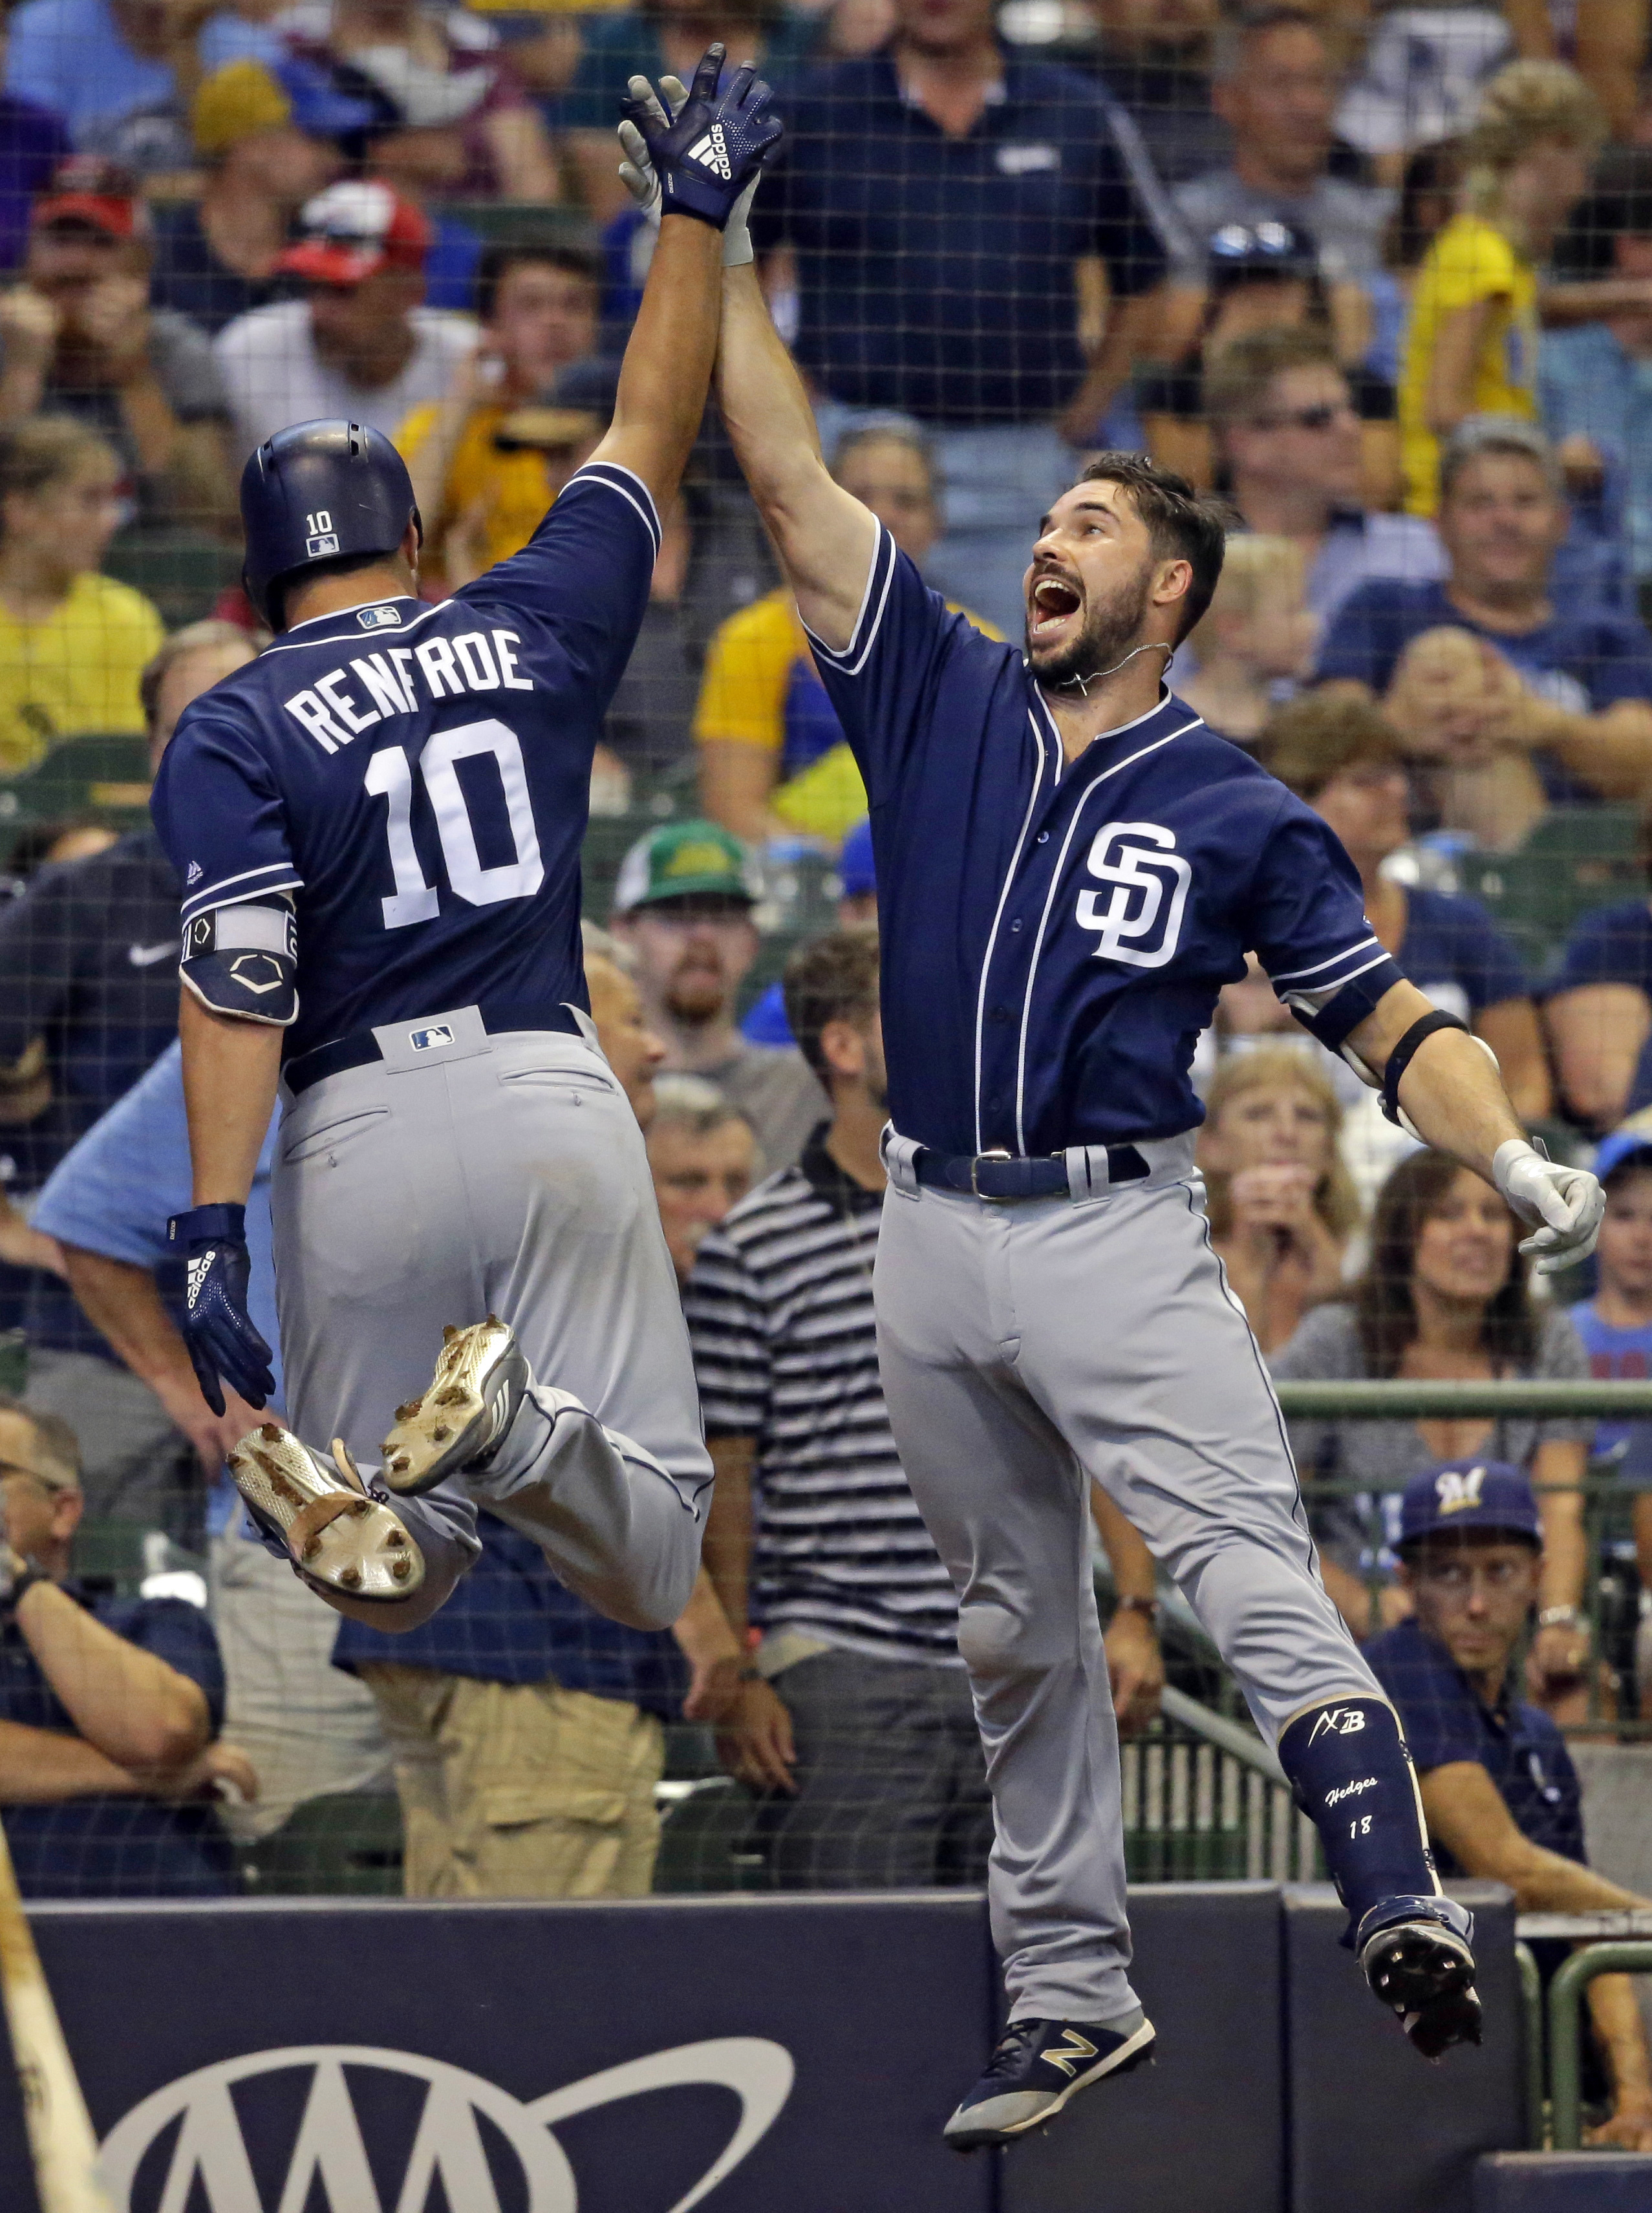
[(1071, 866), (377, 826)]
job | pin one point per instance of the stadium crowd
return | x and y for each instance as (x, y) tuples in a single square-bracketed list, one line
[(1379, 275)]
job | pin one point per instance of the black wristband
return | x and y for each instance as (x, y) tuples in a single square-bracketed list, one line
[(204, 1225), (15, 1596), (1401, 1058)]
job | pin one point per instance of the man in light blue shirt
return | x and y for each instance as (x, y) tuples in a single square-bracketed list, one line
[(1595, 381), (309, 1730), (95, 61)]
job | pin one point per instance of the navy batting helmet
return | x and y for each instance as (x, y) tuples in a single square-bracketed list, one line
[(316, 492)]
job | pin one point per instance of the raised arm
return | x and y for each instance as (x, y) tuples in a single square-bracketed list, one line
[(667, 371), (824, 536)]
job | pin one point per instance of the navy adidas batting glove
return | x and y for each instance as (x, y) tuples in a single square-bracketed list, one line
[(706, 155), (218, 1328)]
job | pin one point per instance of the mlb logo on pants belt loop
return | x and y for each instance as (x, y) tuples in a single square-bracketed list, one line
[(427, 1040)]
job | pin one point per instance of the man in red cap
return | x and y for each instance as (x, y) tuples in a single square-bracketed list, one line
[(78, 337), (361, 345)]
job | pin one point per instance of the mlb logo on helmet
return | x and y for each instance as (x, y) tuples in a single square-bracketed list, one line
[(319, 548)]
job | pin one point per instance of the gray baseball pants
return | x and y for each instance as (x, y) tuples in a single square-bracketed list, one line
[(503, 1176), (1025, 1347)]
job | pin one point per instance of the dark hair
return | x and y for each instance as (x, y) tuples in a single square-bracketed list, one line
[(1182, 524), (32, 849), (1237, 376), (1639, 1162), (1313, 738), (1384, 1310), (1228, 48), (830, 979), (499, 260), (296, 579), (1618, 204), (1431, 172)]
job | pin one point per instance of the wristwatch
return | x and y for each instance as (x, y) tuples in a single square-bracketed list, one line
[(1148, 1607), (1561, 1617)]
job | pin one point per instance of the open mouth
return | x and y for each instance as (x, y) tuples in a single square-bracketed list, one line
[(1055, 601)]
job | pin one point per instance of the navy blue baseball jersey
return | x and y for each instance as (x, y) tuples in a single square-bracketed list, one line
[(417, 778), (1445, 1721), (1055, 937)]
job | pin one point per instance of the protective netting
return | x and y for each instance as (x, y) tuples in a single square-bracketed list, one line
[(1381, 280)]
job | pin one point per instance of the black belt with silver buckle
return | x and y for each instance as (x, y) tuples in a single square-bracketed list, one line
[(1001, 1176), (360, 1048)]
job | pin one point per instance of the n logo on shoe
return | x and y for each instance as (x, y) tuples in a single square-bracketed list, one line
[(1066, 2055), (1346, 1720)]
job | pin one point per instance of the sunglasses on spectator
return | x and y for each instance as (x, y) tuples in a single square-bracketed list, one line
[(1304, 418)]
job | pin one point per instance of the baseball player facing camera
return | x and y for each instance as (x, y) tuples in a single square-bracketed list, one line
[(1070, 868), (377, 826)]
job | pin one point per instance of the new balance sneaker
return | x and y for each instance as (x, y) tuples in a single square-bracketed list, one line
[(480, 1377), (1417, 1957), (340, 1536), (1037, 2067)]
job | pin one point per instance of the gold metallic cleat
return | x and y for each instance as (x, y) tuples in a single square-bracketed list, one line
[(480, 1377), (340, 1537)]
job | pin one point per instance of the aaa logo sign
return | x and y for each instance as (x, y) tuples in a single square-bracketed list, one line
[(329, 2161)]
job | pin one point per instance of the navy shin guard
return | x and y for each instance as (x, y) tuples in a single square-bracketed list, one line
[(1351, 1773)]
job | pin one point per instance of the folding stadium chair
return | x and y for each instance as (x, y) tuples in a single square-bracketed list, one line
[(182, 571), (346, 1845), (1576, 858)]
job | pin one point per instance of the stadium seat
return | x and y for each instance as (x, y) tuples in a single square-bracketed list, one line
[(525, 223), (89, 774), (1576, 858), (608, 839), (705, 1839), (109, 1552), (346, 1845), (182, 571)]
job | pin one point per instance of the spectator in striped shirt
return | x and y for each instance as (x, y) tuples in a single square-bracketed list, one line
[(814, 1536)]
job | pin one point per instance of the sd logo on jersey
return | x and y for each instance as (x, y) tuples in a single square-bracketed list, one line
[(1141, 921)]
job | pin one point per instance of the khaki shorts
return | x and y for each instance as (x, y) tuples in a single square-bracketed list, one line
[(520, 1789)]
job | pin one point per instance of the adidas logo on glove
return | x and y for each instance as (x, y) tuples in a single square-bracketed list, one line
[(713, 152), (197, 1271)]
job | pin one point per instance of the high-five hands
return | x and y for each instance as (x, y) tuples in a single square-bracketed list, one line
[(698, 152)]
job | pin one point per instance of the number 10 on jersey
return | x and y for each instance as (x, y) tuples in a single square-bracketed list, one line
[(390, 777)]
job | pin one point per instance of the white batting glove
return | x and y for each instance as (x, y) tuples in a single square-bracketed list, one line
[(636, 171), (1567, 1203)]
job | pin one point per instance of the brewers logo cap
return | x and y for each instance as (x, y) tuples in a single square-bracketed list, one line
[(1469, 1494)]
